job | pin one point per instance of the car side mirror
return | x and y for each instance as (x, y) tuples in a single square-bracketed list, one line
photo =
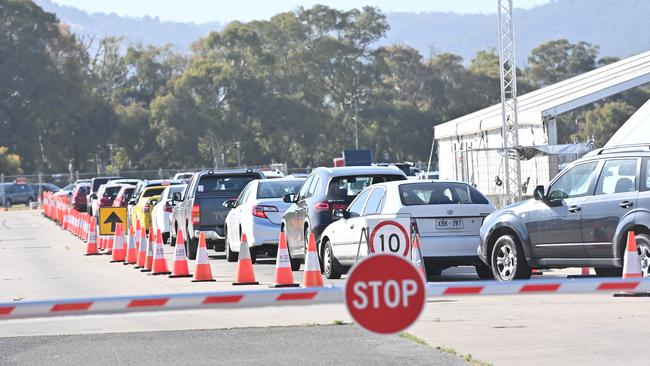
[(229, 203), (93, 196), (539, 193), (341, 213), (289, 198)]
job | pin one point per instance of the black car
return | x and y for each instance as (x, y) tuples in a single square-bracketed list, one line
[(201, 207), (325, 190), (582, 220), (16, 193)]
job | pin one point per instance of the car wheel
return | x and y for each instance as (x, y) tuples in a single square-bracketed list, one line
[(230, 255), (29, 201), (165, 237), (432, 273), (508, 260), (295, 262), (172, 240), (7, 203), (643, 247), (253, 253), (330, 263), (192, 247), (484, 272)]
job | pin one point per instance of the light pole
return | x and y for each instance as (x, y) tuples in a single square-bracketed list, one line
[(354, 99), (238, 145)]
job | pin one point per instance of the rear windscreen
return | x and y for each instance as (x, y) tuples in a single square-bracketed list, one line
[(153, 192), (439, 193), (211, 184), (111, 191), (277, 189), (349, 187)]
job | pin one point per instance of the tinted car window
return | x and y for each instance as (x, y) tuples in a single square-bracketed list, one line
[(211, 184), (313, 187), (617, 176), (305, 186), (575, 182), (277, 189), (111, 192), (242, 196), (439, 193), (153, 192), (374, 202), (350, 186), (356, 208)]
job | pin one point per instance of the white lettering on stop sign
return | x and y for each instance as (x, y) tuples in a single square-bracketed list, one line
[(385, 293), (392, 293)]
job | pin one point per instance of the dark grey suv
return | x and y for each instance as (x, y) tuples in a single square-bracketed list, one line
[(582, 219)]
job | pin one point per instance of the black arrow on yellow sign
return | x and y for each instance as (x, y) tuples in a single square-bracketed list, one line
[(113, 219)]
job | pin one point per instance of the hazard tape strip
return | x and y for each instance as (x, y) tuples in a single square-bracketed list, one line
[(302, 296)]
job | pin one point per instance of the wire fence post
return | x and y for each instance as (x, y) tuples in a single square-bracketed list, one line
[(2, 190)]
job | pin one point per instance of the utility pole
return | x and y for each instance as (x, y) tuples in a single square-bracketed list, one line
[(510, 123), (238, 145), (354, 99)]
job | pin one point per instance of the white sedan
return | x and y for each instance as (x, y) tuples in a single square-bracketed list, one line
[(163, 209), (257, 212), (448, 217)]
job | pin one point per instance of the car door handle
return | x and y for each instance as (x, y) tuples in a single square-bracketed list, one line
[(625, 204), (574, 209)]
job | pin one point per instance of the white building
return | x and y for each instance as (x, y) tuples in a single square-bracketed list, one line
[(468, 147)]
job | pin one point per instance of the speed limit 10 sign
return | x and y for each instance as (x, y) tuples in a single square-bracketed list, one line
[(389, 236), (385, 293)]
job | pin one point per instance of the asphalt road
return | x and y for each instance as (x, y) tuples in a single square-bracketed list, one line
[(39, 260)]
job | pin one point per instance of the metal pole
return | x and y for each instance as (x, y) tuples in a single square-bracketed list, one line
[(356, 127), (2, 191)]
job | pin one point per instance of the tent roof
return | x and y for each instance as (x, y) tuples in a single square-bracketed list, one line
[(550, 101), (636, 130)]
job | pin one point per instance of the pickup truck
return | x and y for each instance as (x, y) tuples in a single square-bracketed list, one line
[(201, 209)]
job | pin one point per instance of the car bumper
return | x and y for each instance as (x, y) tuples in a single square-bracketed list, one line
[(263, 232), (449, 246), (209, 234)]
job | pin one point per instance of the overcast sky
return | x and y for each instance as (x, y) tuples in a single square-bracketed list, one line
[(201, 11)]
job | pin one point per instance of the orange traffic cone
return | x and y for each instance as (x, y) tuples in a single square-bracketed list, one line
[(283, 274), (119, 252), (142, 250), (245, 273), (159, 261), (109, 241), (151, 243), (131, 250), (137, 236), (202, 271), (180, 268), (91, 245), (416, 256), (631, 260), (311, 276)]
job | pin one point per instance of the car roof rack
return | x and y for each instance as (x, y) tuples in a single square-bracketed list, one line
[(620, 149)]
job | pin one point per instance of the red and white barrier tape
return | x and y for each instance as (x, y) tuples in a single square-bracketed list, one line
[(300, 296)]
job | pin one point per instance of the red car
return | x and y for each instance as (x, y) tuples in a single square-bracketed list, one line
[(107, 194), (79, 193), (123, 196)]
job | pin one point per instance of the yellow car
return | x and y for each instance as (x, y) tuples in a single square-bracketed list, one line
[(142, 209)]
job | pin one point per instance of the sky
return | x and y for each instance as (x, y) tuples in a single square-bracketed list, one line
[(202, 11)]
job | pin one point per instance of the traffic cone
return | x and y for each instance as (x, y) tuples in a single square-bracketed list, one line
[(245, 273), (109, 241), (151, 243), (202, 271), (416, 256), (91, 245), (159, 261), (118, 251), (283, 274), (131, 250), (311, 276), (142, 250), (631, 260), (180, 268), (137, 236)]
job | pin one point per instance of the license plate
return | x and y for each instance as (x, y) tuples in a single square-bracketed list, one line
[(449, 224)]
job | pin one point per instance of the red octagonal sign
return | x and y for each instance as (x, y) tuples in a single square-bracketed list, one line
[(385, 293)]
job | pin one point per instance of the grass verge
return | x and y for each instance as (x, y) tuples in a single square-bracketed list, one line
[(468, 357)]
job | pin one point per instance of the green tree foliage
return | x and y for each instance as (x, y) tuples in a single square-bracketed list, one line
[(602, 122), (9, 163), (557, 60)]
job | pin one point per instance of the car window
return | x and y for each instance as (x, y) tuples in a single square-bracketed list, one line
[(645, 177), (211, 184), (153, 192), (617, 176), (305, 186), (313, 187), (575, 182), (356, 207), (341, 188), (242, 196), (277, 189), (439, 193), (374, 201)]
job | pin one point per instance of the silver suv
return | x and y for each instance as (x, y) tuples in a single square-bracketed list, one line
[(582, 219)]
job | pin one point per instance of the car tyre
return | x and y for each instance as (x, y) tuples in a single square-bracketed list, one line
[(253, 253), (330, 263), (484, 272), (508, 261), (230, 255), (7, 203), (192, 247), (643, 247), (165, 237)]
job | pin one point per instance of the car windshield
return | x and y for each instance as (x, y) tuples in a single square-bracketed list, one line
[(277, 189), (438, 193), (153, 192), (349, 187), (211, 184)]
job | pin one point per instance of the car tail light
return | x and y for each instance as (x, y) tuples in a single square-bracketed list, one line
[(168, 208), (145, 209), (260, 211), (328, 207), (196, 214)]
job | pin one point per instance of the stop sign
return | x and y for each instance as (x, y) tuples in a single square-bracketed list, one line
[(385, 293)]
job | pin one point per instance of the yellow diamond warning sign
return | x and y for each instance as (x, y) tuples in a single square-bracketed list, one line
[(109, 217)]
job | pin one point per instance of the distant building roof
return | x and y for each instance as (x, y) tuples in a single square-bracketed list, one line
[(550, 101)]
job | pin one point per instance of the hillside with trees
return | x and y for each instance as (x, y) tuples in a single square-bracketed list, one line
[(283, 88)]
